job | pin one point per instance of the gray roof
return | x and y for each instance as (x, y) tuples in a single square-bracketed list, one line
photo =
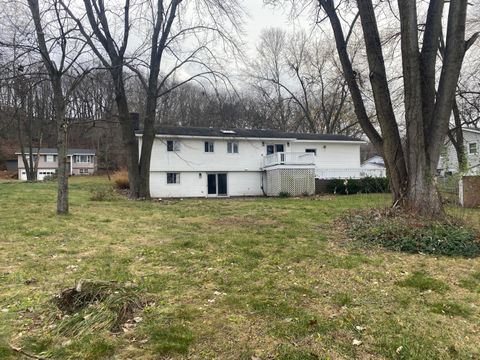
[(52, 151), (245, 133)]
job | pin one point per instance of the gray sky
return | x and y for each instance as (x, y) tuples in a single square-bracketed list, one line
[(262, 16)]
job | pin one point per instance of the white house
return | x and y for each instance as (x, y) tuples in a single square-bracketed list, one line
[(375, 166), (204, 162), (448, 163)]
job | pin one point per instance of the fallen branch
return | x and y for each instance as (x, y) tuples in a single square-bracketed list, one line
[(20, 351)]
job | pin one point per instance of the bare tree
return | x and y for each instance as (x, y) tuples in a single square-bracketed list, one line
[(170, 26), (428, 102), (300, 79), (59, 54)]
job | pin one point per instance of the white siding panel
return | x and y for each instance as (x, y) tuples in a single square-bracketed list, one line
[(331, 155), (192, 156), (244, 168), (244, 183), (448, 161), (192, 185)]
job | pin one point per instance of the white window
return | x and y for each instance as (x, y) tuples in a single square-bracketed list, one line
[(50, 158), (472, 148), (173, 145), (311, 151), (232, 147), (209, 146), (83, 158), (173, 178)]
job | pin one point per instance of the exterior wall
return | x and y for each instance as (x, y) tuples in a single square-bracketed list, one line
[(250, 156), (192, 156), (90, 170), (194, 184), (374, 169), (244, 169), (41, 173), (331, 155), (42, 164), (448, 161)]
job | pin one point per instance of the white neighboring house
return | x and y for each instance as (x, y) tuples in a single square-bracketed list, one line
[(208, 162), (448, 163), (375, 166), (79, 161)]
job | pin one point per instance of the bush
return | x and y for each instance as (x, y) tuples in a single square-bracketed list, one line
[(402, 232), (367, 185), (102, 195), (51, 177), (284, 194), (120, 178)]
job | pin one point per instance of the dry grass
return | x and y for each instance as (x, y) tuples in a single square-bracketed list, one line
[(230, 279), (120, 179)]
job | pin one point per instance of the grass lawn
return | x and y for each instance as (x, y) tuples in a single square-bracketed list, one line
[(226, 279)]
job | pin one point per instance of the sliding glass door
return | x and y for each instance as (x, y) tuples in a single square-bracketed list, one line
[(217, 184)]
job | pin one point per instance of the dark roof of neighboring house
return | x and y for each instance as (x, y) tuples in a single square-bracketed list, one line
[(52, 151), (245, 133)]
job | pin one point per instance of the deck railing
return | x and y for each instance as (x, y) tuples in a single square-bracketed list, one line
[(289, 158), (349, 173)]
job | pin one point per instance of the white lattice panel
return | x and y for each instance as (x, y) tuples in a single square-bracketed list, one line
[(293, 181)]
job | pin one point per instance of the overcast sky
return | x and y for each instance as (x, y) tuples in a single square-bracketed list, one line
[(262, 16)]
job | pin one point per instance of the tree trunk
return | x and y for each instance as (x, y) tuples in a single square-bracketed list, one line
[(62, 146), (128, 132), (456, 138), (131, 148), (427, 112), (422, 196), (148, 138)]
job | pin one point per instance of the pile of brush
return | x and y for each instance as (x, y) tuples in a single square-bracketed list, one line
[(96, 305)]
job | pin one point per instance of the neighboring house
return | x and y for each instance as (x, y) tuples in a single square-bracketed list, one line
[(375, 166), (80, 162), (448, 163), (201, 162)]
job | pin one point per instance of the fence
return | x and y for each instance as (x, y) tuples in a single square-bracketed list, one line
[(449, 188), (351, 173), (289, 158)]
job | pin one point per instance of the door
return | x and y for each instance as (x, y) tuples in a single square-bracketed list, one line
[(222, 184), (217, 184), (275, 148), (212, 184)]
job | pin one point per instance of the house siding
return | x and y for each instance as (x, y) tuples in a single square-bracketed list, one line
[(245, 173), (74, 168), (194, 184), (448, 161), (331, 155)]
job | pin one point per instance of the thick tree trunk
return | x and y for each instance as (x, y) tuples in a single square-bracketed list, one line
[(128, 132), (131, 149), (423, 198), (427, 111), (148, 138)]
